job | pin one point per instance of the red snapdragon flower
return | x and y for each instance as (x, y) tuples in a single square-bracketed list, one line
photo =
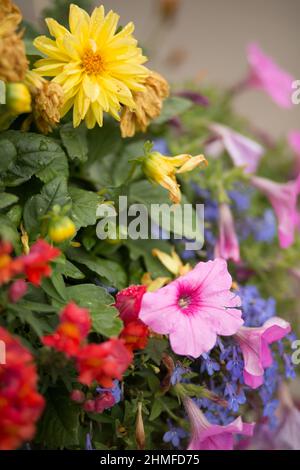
[(128, 302), (20, 403), (9, 267), (36, 263), (103, 362), (74, 326), (135, 334)]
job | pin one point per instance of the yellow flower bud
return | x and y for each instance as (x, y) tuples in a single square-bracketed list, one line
[(162, 170), (61, 229), (18, 99)]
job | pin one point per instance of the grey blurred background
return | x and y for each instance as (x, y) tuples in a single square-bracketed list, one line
[(207, 41)]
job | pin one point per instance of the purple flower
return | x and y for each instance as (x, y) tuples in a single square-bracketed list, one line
[(195, 97)]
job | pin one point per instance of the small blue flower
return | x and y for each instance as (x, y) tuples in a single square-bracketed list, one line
[(88, 442), (161, 146), (209, 365), (241, 198), (174, 435), (289, 367), (235, 397), (177, 374)]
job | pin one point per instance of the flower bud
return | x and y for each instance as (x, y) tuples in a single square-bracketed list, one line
[(139, 428), (61, 228), (78, 396), (18, 99)]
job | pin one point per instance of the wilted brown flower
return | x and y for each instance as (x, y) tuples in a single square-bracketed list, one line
[(47, 100), (13, 61), (148, 105)]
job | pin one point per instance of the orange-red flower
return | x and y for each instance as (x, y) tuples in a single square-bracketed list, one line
[(103, 362), (9, 267), (74, 326), (135, 335), (36, 263), (20, 403)]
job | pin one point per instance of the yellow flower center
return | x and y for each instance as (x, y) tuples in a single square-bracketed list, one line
[(92, 62)]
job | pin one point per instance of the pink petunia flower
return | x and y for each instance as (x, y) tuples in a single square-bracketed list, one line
[(227, 246), (194, 309), (207, 436), (244, 152), (266, 75), (254, 343), (283, 197)]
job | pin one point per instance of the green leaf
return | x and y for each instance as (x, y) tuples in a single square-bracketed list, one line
[(70, 270), (143, 249), (173, 107), (30, 154), (54, 287), (110, 270), (7, 199), (75, 141), (84, 206), (155, 349), (59, 425), (181, 222), (8, 231), (54, 192), (99, 302), (104, 141), (157, 409), (8, 154)]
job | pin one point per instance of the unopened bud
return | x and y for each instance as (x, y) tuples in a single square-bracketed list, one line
[(139, 429), (61, 229), (18, 99)]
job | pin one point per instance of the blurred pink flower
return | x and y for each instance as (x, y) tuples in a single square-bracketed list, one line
[(283, 197), (227, 246), (254, 343), (17, 290), (266, 75), (194, 309), (207, 436), (244, 152)]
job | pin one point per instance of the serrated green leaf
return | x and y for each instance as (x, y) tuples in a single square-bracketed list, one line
[(8, 231), (7, 199), (110, 270), (54, 192), (74, 141), (59, 425), (84, 206), (30, 154), (155, 349), (8, 154), (104, 317)]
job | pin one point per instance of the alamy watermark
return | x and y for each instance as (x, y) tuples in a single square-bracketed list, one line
[(140, 222), (296, 92)]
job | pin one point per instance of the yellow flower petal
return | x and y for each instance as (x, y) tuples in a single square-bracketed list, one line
[(56, 29)]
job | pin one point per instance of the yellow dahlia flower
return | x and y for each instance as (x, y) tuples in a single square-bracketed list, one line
[(97, 67)]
